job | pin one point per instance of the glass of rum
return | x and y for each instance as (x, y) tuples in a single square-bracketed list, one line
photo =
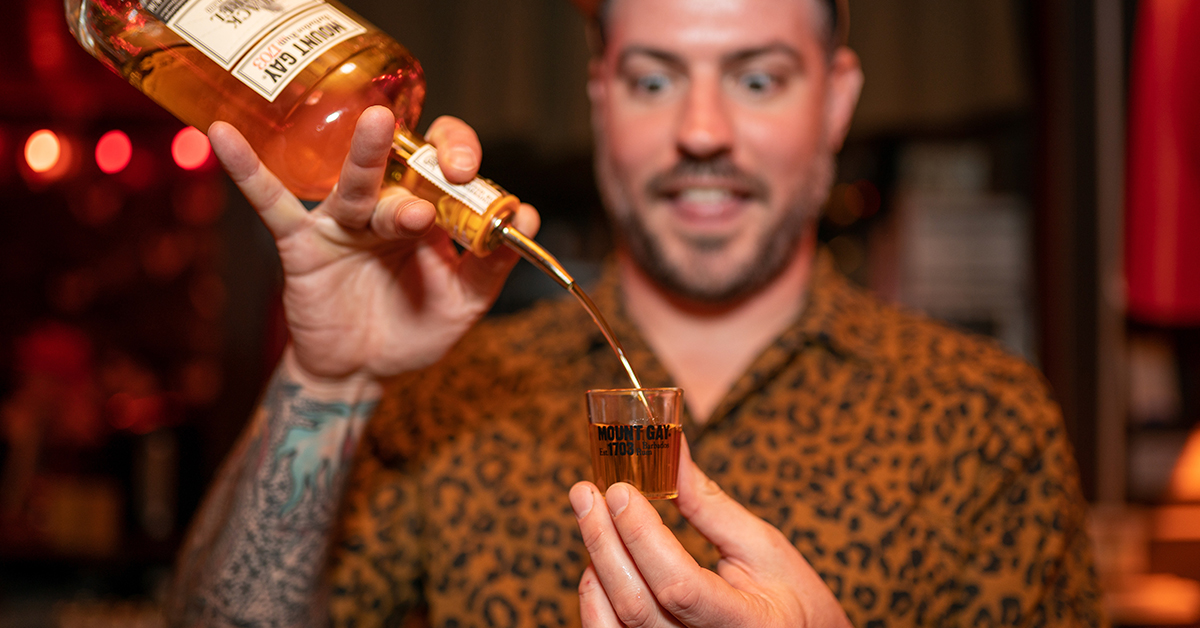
[(634, 435)]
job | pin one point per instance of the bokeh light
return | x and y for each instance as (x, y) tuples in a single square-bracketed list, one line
[(190, 148), (42, 150), (870, 196), (113, 152)]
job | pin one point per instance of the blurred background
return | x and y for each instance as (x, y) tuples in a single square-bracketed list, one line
[(1027, 169)]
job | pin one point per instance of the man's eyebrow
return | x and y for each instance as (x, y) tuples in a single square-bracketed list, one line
[(672, 60), (740, 56)]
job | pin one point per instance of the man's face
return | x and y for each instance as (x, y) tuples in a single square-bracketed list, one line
[(716, 122)]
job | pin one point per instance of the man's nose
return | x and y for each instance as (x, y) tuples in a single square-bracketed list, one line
[(705, 127)]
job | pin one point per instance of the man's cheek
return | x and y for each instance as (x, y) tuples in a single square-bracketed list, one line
[(641, 136)]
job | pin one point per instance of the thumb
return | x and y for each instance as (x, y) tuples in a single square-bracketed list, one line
[(736, 532), (755, 555)]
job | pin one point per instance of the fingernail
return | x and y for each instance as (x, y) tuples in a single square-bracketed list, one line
[(581, 501), (617, 498), (462, 158)]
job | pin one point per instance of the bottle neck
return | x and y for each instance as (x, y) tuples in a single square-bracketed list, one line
[(404, 143), (536, 255)]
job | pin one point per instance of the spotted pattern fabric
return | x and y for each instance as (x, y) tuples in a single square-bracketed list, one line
[(923, 472)]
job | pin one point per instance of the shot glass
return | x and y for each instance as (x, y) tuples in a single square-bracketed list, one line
[(634, 435)]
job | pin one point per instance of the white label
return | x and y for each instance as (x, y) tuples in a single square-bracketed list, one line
[(477, 195), (265, 43), (223, 29), (271, 65)]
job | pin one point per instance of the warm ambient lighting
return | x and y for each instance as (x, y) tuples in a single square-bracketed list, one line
[(190, 148), (42, 150), (1185, 480), (113, 152)]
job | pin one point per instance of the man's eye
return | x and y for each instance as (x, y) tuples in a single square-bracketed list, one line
[(758, 82), (651, 84)]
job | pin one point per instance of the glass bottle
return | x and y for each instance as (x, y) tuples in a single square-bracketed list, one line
[(293, 76)]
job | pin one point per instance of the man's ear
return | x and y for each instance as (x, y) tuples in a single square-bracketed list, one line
[(597, 89), (845, 85), (595, 83)]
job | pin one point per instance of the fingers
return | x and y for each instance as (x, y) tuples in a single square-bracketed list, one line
[(399, 214), (769, 583), (459, 153), (696, 596), (595, 610), (280, 211), (353, 202), (736, 532), (356, 202), (631, 599), (755, 556)]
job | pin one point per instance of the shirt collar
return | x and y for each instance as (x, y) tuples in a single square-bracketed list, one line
[(838, 314)]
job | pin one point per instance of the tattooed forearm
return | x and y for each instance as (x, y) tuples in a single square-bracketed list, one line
[(256, 551)]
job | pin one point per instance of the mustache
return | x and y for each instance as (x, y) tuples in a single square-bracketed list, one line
[(712, 171)]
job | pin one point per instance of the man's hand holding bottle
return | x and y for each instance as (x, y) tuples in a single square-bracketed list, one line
[(370, 288)]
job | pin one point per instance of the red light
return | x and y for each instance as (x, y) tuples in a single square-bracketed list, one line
[(42, 151), (190, 148), (113, 152), (870, 197)]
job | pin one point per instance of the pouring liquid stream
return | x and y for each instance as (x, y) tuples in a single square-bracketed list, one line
[(536, 255)]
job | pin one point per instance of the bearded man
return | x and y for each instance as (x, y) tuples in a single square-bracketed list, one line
[(845, 463)]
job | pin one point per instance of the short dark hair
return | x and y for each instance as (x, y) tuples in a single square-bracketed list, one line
[(834, 16)]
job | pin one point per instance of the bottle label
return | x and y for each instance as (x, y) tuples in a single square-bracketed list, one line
[(264, 43), (477, 195)]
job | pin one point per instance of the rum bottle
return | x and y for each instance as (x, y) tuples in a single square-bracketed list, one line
[(293, 76)]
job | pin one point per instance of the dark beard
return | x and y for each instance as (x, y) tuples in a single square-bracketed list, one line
[(775, 251)]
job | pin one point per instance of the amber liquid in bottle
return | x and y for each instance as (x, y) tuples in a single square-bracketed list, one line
[(303, 130)]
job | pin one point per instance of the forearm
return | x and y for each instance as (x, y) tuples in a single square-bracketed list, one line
[(256, 552)]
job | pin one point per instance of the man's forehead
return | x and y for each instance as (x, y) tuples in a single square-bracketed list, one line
[(717, 26), (835, 14)]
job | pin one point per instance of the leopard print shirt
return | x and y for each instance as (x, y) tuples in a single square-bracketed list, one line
[(923, 472)]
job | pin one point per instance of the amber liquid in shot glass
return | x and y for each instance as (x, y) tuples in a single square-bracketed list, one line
[(635, 436)]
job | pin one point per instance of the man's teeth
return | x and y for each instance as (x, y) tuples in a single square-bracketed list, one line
[(705, 195)]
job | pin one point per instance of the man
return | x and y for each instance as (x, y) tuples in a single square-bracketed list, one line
[(877, 468)]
